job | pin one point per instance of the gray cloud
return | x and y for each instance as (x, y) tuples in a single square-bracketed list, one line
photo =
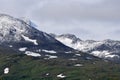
[(88, 19), (65, 10)]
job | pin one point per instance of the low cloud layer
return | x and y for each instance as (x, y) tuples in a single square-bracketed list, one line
[(88, 19)]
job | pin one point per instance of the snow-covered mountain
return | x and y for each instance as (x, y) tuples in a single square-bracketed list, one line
[(107, 49), (21, 35)]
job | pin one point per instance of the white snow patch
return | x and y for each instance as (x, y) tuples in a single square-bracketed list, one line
[(10, 46), (65, 41), (29, 53), (22, 49), (30, 40), (6, 70), (47, 74), (61, 76), (112, 56), (51, 57), (78, 65), (78, 54), (49, 51)]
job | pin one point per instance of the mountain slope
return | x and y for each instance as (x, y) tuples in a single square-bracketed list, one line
[(20, 35), (22, 67), (107, 49)]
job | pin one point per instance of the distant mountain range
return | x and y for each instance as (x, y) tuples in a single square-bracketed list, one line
[(21, 36), (106, 49)]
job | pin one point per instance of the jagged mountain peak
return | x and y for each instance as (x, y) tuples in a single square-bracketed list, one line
[(67, 38)]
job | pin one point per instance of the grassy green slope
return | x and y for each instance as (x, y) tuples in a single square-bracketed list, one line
[(23, 67)]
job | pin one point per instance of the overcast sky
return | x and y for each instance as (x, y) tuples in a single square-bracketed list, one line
[(88, 19)]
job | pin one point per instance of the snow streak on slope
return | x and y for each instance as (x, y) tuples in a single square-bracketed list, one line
[(22, 49), (30, 40), (49, 51), (29, 53)]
